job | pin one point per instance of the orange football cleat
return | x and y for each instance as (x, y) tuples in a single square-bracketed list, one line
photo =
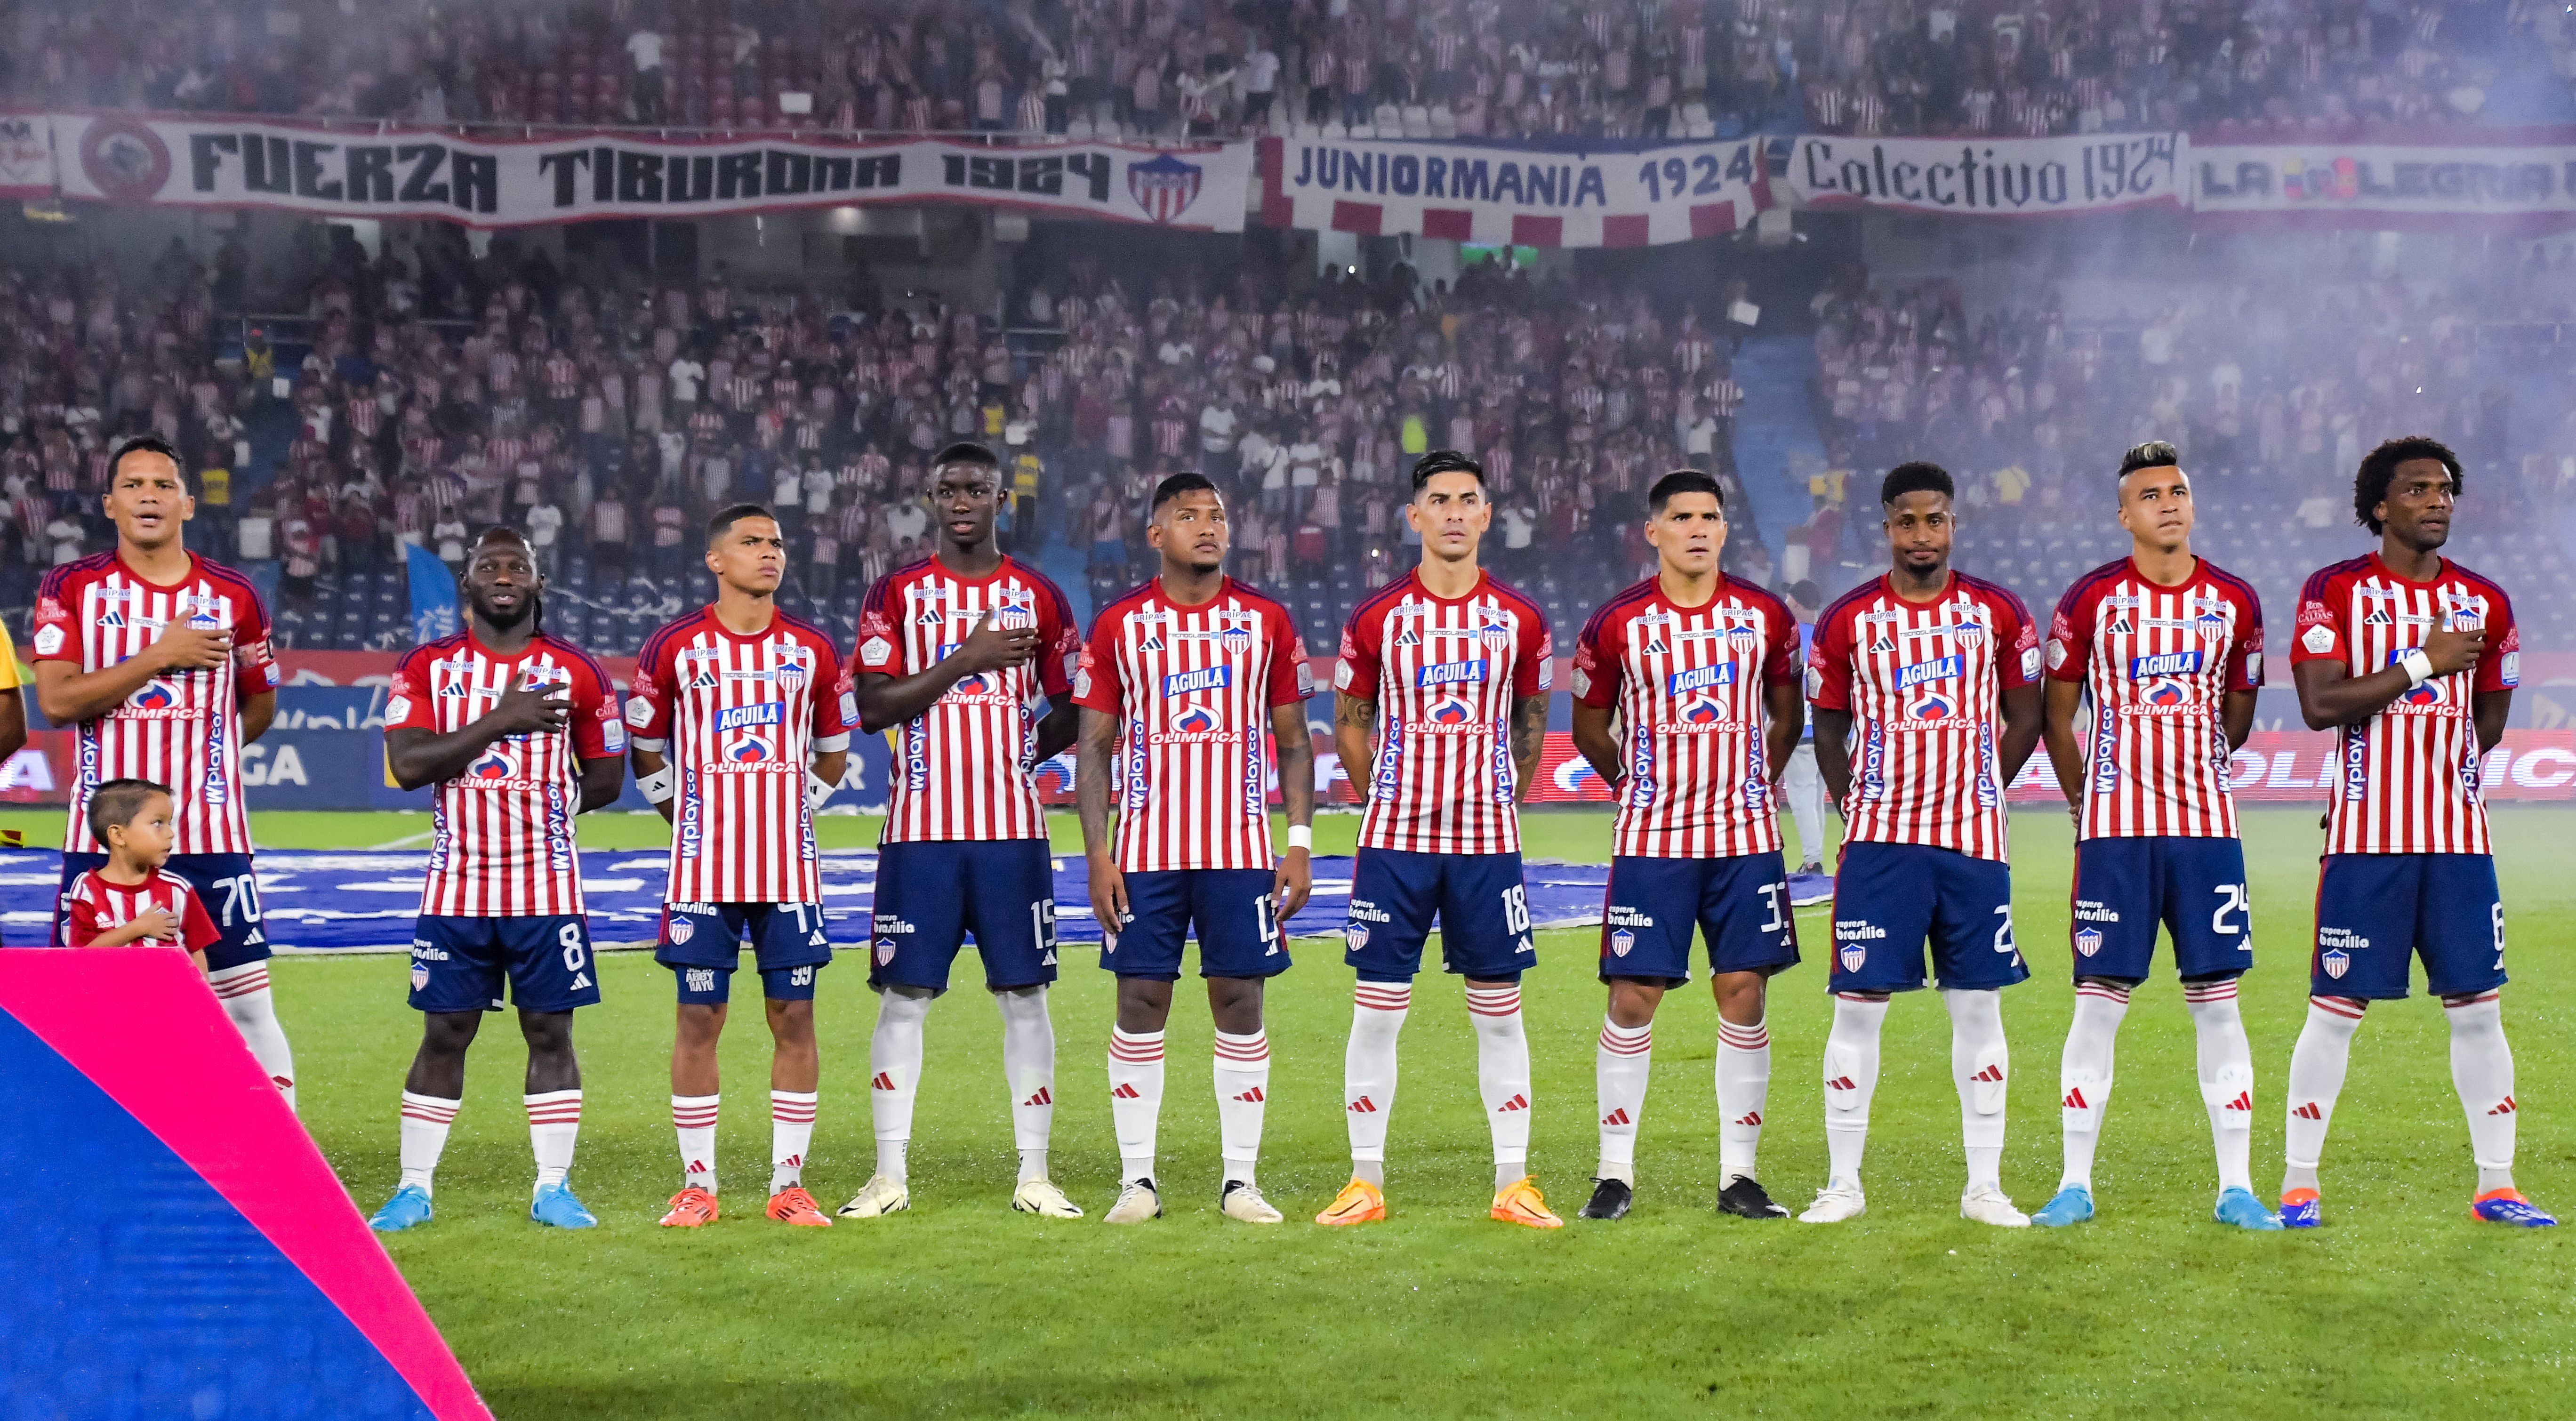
[(1360, 1202), (793, 1205), (1522, 1205), (691, 1208)]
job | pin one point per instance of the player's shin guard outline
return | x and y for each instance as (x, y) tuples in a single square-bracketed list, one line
[(2085, 1074), (2482, 1073), (1851, 1078), (1743, 1074), (1378, 1010), (2225, 1065)]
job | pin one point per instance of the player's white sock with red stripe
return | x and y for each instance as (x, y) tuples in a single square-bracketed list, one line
[(425, 1121), (1620, 1066), (2317, 1065), (554, 1123), (894, 1075), (1378, 1010), (2226, 1065), (244, 992), (1503, 1075), (2482, 1072), (1851, 1078), (2084, 1075), (791, 1136), (1743, 1093), (694, 1117), (1028, 1062), (1242, 1096), (1135, 1099), (1981, 1067)]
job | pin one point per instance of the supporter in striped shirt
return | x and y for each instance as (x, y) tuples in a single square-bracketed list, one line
[(1180, 682), (1700, 672), (2412, 659), (1931, 678), (957, 652), (2169, 650), (517, 732)]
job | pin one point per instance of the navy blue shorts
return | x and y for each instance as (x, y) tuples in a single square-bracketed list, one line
[(2374, 911), (1740, 905), (930, 896), (1229, 907), (223, 883), (1479, 899), (457, 964), (2124, 887), (702, 943), (1890, 899)]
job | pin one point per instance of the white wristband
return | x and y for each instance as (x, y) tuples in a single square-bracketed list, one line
[(1301, 836), (2419, 667), (817, 790), (656, 786)]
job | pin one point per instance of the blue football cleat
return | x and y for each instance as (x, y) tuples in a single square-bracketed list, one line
[(2301, 1209), (2507, 1206), (2240, 1208), (555, 1207), (409, 1208), (2073, 1205)]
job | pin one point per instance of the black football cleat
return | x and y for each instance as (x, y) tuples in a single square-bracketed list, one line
[(1610, 1200), (1745, 1199)]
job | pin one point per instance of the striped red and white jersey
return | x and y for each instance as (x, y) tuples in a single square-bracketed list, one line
[(1445, 673), (2157, 664), (967, 765), (1688, 683), (1193, 688), (2408, 776), (1924, 684), (95, 906), (181, 728), (740, 719), (501, 834)]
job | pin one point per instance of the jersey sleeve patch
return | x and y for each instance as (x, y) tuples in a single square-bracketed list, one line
[(2319, 639), (639, 712), (49, 640)]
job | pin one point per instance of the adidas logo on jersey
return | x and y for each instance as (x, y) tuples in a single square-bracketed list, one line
[(1407, 638)]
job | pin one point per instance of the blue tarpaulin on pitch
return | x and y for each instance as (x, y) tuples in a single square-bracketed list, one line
[(321, 901)]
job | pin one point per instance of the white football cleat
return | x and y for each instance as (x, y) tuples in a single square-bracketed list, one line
[(1244, 1204), (877, 1198), (1137, 1202), (1041, 1197), (1835, 1203), (1990, 1206)]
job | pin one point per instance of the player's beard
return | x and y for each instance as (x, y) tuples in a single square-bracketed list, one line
[(527, 611)]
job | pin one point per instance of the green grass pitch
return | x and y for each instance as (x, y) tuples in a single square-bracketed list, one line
[(2401, 1305)]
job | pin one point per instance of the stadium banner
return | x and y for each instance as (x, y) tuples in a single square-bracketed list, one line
[(2519, 183), (392, 171), (1990, 177), (26, 156), (1600, 194)]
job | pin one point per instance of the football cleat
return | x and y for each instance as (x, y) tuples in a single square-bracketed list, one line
[(1610, 1200), (2240, 1208), (792, 1205), (2507, 1206), (1138, 1201), (409, 1208), (1041, 1197), (2299, 1209), (555, 1207), (1521, 1204), (1746, 1199), (1242, 1202), (877, 1198), (691, 1208), (1360, 1202), (1810, 886), (1990, 1206), (1835, 1203), (2071, 1205)]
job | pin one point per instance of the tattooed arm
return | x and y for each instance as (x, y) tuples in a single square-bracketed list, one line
[(1529, 736), (1354, 737)]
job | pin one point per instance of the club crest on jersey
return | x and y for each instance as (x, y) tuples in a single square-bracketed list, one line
[(1206, 678), (1700, 678), (1853, 955), (1940, 668), (1357, 936), (1450, 673), (420, 979), (1236, 638), (2088, 942), (885, 951), (2336, 962), (1497, 637), (681, 929), (1743, 639), (1968, 633), (1622, 943)]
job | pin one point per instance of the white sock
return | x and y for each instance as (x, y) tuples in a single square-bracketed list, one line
[(244, 992), (425, 1120), (1135, 1099), (1980, 1066), (2226, 1066), (1368, 1072), (894, 1076), (2482, 1072), (1242, 1092), (2084, 1075), (791, 1136), (1743, 1092), (1619, 1071), (1503, 1076), (554, 1122), (2317, 1065), (1851, 1078), (694, 1117), (1028, 1062)]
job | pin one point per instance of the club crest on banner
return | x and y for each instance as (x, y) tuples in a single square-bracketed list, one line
[(1164, 186)]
